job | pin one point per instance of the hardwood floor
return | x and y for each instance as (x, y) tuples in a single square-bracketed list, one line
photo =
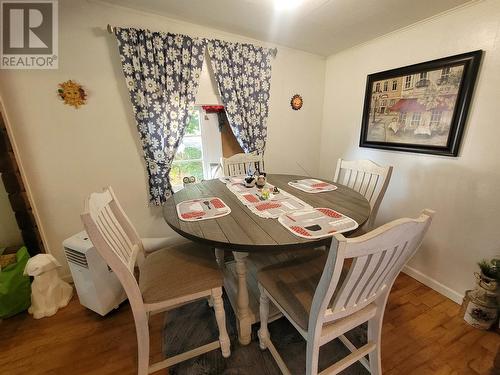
[(422, 334)]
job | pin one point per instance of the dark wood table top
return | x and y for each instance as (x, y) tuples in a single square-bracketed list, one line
[(244, 231)]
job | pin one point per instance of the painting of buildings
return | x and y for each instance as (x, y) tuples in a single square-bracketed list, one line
[(416, 108)]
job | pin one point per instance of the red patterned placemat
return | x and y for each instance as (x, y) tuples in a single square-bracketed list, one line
[(317, 222), (312, 185), (202, 209), (271, 205)]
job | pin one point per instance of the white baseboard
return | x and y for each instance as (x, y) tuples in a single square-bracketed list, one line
[(434, 284)]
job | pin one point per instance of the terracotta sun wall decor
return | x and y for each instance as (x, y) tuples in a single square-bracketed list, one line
[(296, 102), (72, 93)]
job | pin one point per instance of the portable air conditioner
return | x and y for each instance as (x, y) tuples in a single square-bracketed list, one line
[(97, 286)]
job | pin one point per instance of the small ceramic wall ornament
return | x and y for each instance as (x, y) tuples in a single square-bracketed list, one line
[(72, 93), (296, 102)]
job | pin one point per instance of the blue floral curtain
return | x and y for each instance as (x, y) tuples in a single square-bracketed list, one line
[(243, 75), (162, 72)]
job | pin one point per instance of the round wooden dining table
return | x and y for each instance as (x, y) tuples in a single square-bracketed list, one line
[(243, 232)]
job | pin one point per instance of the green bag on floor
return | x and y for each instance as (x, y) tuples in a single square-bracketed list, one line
[(15, 288)]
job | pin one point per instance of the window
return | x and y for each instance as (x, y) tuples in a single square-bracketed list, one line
[(386, 86), (188, 160), (445, 73), (435, 117), (377, 87), (408, 81), (200, 146), (383, 104), (402, 118), (422, 80), (394, 85), (392, 102), (415, 119)]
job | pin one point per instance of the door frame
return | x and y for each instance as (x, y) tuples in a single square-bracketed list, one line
[(22, 172)]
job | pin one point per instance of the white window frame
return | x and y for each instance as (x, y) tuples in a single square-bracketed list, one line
[(445, 72), (436, 117), (394, 85), (408, 82), (402, 117), (416, 118)]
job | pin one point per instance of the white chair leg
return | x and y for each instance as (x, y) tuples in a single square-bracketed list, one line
[(220, 315), (374, 335), (263, 332), (142, 330), (312, 358)]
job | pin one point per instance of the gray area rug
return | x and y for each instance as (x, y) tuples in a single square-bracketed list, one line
[(194, 325)]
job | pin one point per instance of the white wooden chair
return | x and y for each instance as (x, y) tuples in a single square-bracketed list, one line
[(241, 164), (169, 278), (367, 178), (324, 297)]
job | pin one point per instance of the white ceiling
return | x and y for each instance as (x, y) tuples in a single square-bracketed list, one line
[(318, 26)]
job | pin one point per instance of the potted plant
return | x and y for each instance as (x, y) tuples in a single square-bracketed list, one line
[(481, 305), (490, 274)]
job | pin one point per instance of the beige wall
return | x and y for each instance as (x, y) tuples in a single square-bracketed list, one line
[(464, 190), (69, 153), (9, 232)]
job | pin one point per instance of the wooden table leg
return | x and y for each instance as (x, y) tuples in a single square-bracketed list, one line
[(244, 320)]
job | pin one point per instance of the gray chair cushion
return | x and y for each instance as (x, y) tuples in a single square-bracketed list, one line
[(293, 283), (178, 271)]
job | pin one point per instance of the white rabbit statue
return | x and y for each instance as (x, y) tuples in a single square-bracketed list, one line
[(48, 292)]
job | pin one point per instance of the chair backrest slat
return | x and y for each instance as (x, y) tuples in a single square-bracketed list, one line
[(114, 236), (352, 281), (114, 227), (369, 271), (241, 164), (367, 178), (377, 258), (110, 238), (116, 240), (371, 189), (122, 239), (358, 180), (387, 264)]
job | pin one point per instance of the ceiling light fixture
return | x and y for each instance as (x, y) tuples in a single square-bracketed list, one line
[(287, 4)]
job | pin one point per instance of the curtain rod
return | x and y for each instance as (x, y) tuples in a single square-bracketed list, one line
[(111, 30)]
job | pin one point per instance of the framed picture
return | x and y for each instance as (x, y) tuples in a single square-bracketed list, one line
[(420, 108)]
